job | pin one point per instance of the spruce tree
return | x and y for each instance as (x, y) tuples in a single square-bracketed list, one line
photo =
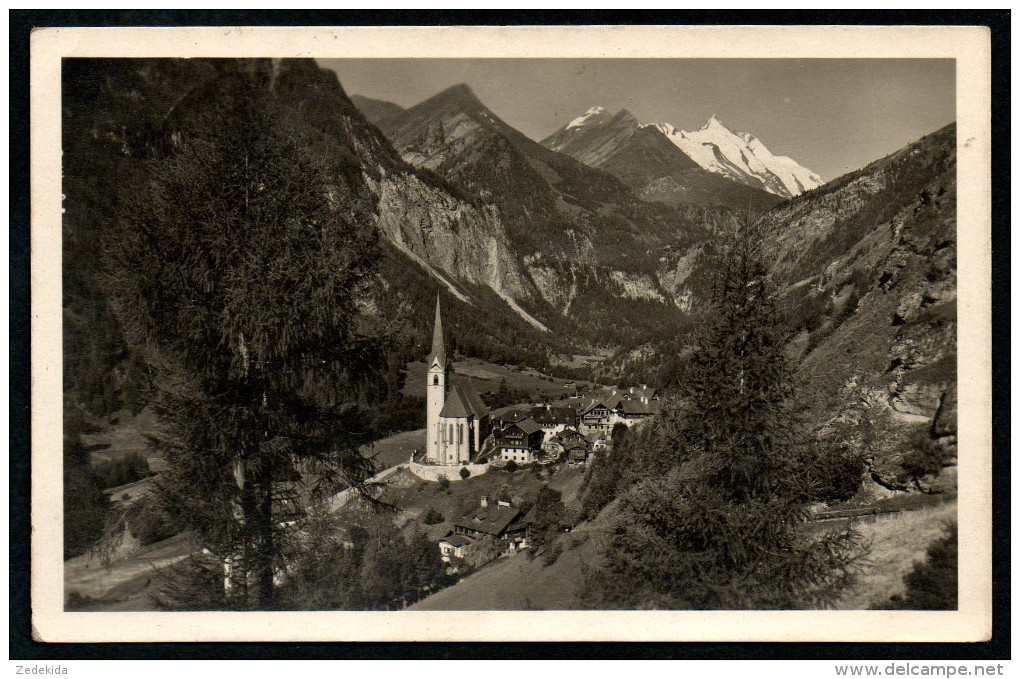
[(238, 271), (716, 523)]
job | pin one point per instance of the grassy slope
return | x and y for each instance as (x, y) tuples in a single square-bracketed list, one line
[(396, 449), (897, 541), (485, 377), (112, 582), (125, 435), (121, 584), (521, 582), (516, 583)]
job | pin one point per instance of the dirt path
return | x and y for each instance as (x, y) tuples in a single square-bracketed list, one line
[(87, 575), (896, 543)]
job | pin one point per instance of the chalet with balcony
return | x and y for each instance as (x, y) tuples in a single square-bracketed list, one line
[(519, 441)]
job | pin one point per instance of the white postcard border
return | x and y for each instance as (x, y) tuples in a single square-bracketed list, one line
[(970, 46)]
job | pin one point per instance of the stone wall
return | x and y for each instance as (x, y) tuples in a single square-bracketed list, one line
[(432, 472)]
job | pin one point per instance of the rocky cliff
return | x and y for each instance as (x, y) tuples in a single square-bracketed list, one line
[(868, 269)]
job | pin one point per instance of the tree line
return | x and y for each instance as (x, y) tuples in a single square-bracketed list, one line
[(712, 496)]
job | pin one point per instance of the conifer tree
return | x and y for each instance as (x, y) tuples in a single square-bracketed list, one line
[(719, 523), (238, 271)]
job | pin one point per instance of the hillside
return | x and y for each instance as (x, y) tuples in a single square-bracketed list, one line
[(592, 252), (522, 582), (868, 269)]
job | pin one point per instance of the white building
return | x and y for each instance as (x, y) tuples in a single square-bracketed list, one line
[(457, 420)]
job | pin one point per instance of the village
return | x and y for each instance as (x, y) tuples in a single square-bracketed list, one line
[(464, 439)]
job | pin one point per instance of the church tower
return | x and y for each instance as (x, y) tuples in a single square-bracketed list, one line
[(435, 389)]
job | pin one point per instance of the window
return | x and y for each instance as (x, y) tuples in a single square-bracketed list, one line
[(435, 379)]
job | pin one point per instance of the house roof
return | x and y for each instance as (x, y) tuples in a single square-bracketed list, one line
[(492, 520), (458, 540), (569, 432), (513, 414), (554, 416), (644, 392), (527, 425), (611, 402), (636, 407)]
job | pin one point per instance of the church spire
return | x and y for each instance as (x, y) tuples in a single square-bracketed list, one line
[(438, 348)]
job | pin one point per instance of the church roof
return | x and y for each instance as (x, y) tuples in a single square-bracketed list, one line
[(438, 346), (475, 402), (456, 405), (463, 401)]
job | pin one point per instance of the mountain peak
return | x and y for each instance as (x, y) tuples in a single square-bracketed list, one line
[(461, 93), (626, 116), (741, 157), (587, 116), (715, 123), (665, 128)]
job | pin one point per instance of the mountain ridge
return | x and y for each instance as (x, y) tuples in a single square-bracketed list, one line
[(742, 157), (643, 157), (585, 238), (375, 110)]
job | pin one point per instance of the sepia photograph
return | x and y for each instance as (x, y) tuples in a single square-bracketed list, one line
[(370, 333)]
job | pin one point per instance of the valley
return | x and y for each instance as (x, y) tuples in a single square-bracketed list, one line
[(582, 271)]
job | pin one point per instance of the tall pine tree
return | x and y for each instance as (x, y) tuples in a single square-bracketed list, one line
[(718, 521), (238, 272)]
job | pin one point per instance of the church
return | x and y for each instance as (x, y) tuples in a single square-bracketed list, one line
[(457, 419)]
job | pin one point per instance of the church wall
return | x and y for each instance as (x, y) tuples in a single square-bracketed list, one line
[(455, 440)]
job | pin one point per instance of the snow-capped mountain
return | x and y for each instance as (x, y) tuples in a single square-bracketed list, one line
[(657, 170), (742, 157)]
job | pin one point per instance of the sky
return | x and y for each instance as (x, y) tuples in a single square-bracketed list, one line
[(830, 115)]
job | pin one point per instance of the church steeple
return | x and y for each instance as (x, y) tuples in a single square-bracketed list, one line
[(436, 393), (438, 346)]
